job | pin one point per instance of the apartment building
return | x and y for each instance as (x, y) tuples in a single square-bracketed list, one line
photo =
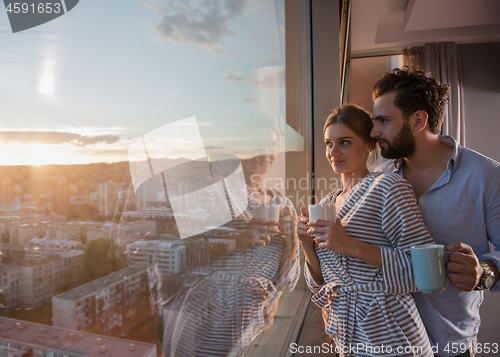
[(42, 279), (21, 338), (74, 230), (82, 228), (62, 232), (10, 284), (123, 234), (16, 230), (108, 302), (12, 253), (170, 256), (39, 248), (19, 234), (225, 245), (108, 198), (149, 213), (57, 220)]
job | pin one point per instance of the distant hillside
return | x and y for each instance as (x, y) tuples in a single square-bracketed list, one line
[(81, 179)]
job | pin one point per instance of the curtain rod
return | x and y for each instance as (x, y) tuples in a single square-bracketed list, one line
[(368, 55)]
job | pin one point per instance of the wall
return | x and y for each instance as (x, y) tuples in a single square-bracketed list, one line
[(481, 77), (326, 86), (64, 313)]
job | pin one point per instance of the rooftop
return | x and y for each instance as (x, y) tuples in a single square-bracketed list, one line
[(32, 335), (101, 283), (38, 262), (154, 243)]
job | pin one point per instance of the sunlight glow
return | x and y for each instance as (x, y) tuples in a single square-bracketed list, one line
[(42, 154), (46, 84)]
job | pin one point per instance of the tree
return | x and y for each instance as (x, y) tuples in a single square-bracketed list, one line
[(4, 310), (99, 260), (83, 238), (96, 330)]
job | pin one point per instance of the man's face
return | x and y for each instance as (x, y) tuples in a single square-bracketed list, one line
[(392, 131)]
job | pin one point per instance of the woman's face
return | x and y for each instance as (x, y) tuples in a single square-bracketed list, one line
[(345, 151), (266, 154)]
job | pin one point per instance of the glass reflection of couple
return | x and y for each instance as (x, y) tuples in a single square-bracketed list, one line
[(359, 267), (221, 311)]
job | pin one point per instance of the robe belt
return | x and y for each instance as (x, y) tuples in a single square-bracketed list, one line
[(343, 329), (334, 290)]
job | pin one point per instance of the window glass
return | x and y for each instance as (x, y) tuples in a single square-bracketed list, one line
[(148, 148), (365, 72)]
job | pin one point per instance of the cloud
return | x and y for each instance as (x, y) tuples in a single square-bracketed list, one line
[(55, 138), (118, 152), (89, 130), (249, 100), (271, 81), (253, 36), (238, 76), (204, 25)]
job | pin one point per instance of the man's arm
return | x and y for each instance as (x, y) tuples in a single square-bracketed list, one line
[(465, 268)]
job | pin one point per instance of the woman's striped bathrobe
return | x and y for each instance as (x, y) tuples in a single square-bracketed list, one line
[(372, 309)]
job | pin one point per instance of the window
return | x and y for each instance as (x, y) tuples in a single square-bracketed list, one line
[(78, 91), (365, 72)]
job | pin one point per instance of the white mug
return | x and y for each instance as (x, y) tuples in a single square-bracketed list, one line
[(325, 212), (267, 211)]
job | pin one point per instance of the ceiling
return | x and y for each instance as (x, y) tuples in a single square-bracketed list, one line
[(387, 26)]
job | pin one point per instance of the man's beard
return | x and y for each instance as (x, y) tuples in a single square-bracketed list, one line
[(403, 145)]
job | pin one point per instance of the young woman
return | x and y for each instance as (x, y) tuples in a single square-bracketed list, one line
[(359, 267)]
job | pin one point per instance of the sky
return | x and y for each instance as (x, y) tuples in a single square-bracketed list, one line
[(83, 87)]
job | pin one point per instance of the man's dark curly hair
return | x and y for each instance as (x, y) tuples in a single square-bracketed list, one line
[(415, 90)]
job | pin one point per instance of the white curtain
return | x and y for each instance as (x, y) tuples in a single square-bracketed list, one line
[(443, 61)]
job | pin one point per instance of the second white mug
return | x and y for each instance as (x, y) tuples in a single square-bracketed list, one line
[(267, 210), (322, 211)]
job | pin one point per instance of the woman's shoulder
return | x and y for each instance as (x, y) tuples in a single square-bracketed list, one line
[(373, 181), (381, 183), (386, 178), (389, 182)]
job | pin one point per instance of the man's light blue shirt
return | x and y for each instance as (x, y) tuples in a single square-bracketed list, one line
[(462, 205)]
